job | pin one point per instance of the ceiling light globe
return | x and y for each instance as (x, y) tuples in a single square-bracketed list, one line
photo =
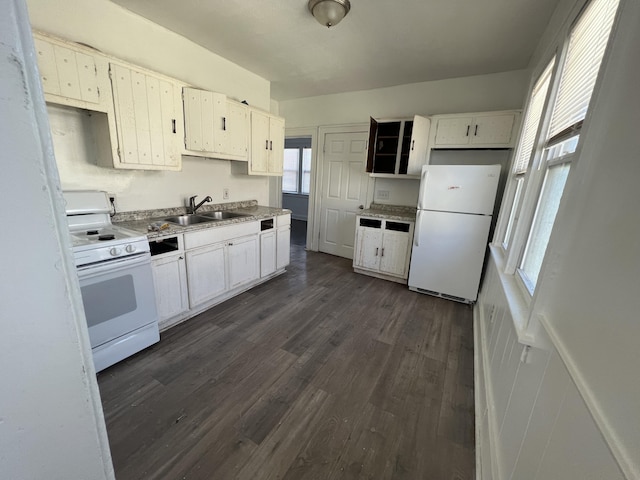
[(329, 12)]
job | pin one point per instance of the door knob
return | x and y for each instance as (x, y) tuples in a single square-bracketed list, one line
[(361, 207)]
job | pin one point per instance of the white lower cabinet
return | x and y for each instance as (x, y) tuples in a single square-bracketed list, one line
[(243, 261), (207, 273), (170, 279), (196, 270), (383, 248), (267, 253), (283, 241)]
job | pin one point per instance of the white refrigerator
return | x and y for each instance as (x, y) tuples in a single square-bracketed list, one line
[(453, 219)]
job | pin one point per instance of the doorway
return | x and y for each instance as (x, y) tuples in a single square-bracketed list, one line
[(296, 185)]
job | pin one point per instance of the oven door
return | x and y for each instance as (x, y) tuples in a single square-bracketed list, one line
[(118, 297)]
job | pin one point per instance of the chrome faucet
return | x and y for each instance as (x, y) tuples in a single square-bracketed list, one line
[(192, 203)]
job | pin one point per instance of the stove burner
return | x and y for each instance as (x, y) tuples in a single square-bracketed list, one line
[(92, 232), (106, 237)]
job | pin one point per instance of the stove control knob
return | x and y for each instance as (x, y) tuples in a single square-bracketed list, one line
[(130, 248), (114, 252)]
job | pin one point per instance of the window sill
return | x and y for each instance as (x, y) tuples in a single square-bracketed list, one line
[(516, 299), (291, 194)]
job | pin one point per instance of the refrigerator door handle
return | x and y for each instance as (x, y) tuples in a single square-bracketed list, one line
[(423, 179), (416, 233)]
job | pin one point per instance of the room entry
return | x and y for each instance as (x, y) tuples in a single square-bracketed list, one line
[(296, 184)]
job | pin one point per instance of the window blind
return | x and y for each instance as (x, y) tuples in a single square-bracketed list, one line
[(532, 120), (586, 48)]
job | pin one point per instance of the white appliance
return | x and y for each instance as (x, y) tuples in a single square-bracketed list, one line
[(114, 269), (452, 228)]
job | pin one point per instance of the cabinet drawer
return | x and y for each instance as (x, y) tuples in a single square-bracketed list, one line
[(219, 234)]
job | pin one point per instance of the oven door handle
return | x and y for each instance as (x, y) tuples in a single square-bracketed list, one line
[(115, 265)]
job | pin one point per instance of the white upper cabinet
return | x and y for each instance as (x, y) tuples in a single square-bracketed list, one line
[(398, 148), (215, 125), (72, 77), (267, 144), (475, 130), (146, 122)]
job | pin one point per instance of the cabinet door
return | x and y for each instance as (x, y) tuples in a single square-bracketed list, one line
[(219, 122), (276, 145), (283, 247), (493, 130), (67, 73), (243, 260), (145, 120), (393, 255), (170, 280), (206, 273), (368, 246), (236, 126), (453, 131), (198, 119), (267, 253), (259, 142), (419, 145)]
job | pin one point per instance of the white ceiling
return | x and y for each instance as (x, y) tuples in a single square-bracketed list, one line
[(380, 43)]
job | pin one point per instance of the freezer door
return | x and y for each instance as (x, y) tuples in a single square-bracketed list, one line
[(448, 253), (459, 188)]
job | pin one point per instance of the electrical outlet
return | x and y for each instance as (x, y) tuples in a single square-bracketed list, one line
[(225, 194), (112, 200), (382, 194)]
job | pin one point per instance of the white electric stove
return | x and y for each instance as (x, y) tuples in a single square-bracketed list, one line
[(114, 269)]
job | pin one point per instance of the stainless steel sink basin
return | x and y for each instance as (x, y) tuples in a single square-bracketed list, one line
[(185, 220), (222, 215)]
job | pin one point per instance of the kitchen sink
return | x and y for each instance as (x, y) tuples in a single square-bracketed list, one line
[(188, 219), (222, 215)]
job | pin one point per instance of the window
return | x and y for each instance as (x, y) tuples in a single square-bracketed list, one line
[(526, 144), (549, 140), (296, 176)]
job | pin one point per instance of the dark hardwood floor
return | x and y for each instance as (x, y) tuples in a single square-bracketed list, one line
[(318, 374)]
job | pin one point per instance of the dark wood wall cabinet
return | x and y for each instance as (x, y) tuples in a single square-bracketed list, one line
[(398, 148)]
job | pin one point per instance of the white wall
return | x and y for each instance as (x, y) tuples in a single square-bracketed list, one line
[(75, 151), (298, 204), (51, 423), (575, 415), (500, 91), (118, 32)]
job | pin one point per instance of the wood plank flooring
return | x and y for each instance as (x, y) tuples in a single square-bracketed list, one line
[(318, 374)]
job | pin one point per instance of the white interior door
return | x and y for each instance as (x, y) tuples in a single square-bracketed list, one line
[(343, 191)]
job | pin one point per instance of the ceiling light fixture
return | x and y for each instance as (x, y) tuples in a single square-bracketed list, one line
[(329, 12)]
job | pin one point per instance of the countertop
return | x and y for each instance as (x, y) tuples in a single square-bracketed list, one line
[(141, 225), (390, 212)]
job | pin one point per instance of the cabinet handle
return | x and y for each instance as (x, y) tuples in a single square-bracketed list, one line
[(382, 253), (475, 134), (230, 244), (270, 144), (180, 257), (173, 125), (376, 252), (467, 134), (413, 144), (266, 144), (224, 123)]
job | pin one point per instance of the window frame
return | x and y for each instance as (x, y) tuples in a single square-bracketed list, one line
[(299, 143), (510, 255), (515, 199)]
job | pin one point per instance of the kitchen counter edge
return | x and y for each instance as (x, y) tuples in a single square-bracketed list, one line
[(253, 213)]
